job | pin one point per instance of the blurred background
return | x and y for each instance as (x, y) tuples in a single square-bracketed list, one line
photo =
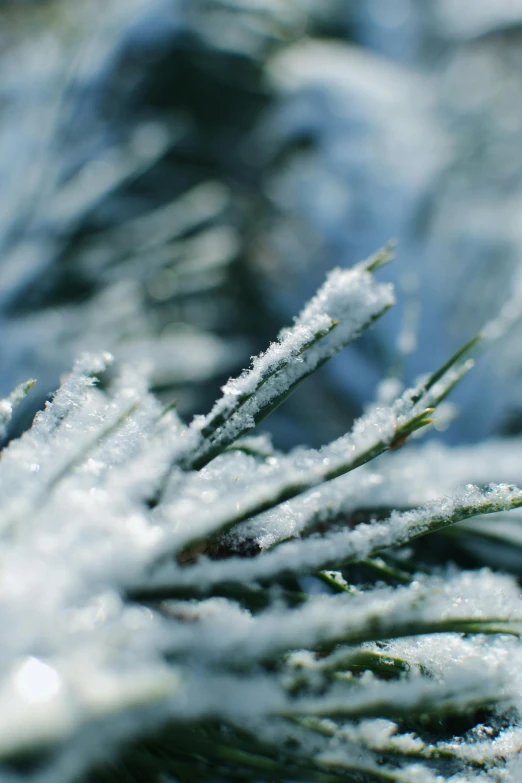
[(177, 176)]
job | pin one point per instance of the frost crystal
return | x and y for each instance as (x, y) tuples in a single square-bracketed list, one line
[(143, 593), (348, 303)]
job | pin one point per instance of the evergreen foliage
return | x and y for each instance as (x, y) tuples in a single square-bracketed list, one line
[(185, 603), (180, 600)]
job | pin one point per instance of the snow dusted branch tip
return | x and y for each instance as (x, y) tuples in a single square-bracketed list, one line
[(213, 613), (347, 304), (8, 405)]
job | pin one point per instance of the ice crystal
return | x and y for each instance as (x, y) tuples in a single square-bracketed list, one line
[(161, 576)]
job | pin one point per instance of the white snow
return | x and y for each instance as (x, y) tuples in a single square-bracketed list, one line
[(96, 503), (345, 305)]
